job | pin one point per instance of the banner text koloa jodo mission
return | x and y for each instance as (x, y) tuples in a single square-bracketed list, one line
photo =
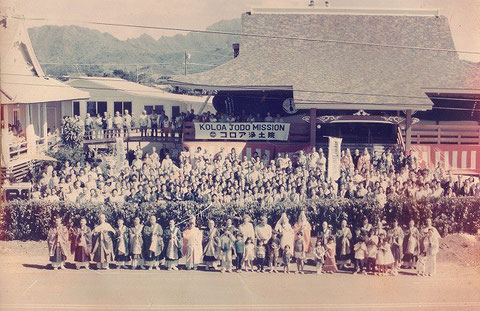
[(242, 131)]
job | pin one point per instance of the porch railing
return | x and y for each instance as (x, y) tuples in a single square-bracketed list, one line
[(445, 134), (134, 134)]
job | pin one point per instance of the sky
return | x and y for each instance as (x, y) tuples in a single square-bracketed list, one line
[(464, 15)]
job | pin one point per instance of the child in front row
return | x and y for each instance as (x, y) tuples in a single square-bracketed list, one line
[(239, 250), (319, 253), (360, 249), (287, 257), (372, 250), (273, 252), (299, 248), (422, 260), (249, 255), (330, 251), (261, 253)]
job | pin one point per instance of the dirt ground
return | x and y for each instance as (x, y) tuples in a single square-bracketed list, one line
[(26, 284)]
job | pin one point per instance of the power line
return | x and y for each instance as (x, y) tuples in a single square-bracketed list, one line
[(245, 96), (249, 89), (254, 35), (109, 64), (200, 52)]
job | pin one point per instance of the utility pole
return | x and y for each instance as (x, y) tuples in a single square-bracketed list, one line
[(185, 63), (136, 70)]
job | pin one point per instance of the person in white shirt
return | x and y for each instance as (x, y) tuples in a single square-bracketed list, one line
[(268, 118), (143, 123), (127, 123), (117, 123)]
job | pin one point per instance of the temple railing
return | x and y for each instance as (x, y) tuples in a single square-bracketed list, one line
[(445, 134)]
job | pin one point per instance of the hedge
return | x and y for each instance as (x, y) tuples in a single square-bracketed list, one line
[(30, 220)]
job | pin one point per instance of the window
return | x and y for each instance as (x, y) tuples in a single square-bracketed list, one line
[(101, 108), (92, 108), (127, 106), (158, 109), (122, 106), (148, 109), (175, 111), (76, 108), (15, 116)]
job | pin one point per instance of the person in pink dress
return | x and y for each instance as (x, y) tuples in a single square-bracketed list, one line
[(330, 265)]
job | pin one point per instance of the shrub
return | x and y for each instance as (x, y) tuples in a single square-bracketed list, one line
[(72, 132), (66, 153), (30, 220)]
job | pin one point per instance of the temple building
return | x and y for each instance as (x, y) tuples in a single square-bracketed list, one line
[(371, 76)]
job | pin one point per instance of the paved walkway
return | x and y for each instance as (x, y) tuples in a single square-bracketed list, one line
[(25, 284)]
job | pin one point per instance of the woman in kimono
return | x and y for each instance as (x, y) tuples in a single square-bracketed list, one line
[(57, 241), (411, 245), (136, 244), (284, 228), (172, 237), (431, 247), (121, 244), (304, 226), (246, 228), (153, 244), (211, 248), (103, 243), (396, 236), (192, 245), (344, 235), (82, 244)]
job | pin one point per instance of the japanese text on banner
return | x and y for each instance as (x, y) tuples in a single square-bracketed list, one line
[(242, 131)]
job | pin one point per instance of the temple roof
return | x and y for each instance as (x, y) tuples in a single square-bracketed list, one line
[(382, 73)]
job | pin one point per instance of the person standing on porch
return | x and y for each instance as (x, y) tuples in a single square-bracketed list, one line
[(117, 123), (127, 124), (154, 124), (88, 127), (143, 123)]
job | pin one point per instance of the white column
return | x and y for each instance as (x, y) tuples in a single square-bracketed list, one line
[(44, 119), (29, 130)]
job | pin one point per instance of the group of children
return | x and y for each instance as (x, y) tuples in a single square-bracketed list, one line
[(372, 254)]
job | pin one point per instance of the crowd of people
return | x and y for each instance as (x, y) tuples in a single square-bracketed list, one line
[(261, 248), (154, 125), (227, 177)]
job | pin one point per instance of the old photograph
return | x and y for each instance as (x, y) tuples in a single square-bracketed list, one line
[(240, 155)]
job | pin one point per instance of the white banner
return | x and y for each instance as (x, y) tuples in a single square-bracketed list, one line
[(242, 131), (334, 156)]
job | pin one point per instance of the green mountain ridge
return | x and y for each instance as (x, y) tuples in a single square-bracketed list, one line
[(70, 45)]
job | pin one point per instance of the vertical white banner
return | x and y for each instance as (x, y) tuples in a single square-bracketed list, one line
[(334, 155)]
